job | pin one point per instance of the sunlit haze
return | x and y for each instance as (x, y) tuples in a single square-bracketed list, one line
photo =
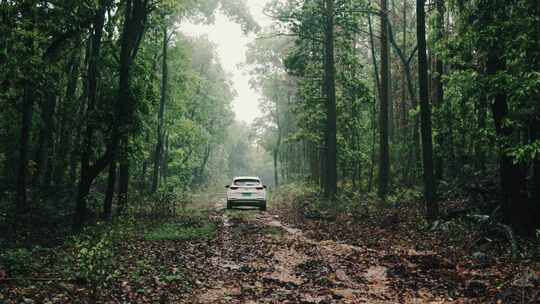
[(231, 49)]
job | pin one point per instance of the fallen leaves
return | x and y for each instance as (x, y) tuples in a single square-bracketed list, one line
[(267, 258), (423, 265)]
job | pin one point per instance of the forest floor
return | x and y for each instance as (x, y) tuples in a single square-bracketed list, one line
[(279, 256)]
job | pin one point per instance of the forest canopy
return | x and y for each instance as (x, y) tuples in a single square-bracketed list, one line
[(102, 96), (373, 96), (381, 95)]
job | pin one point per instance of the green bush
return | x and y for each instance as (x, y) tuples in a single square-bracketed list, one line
[(94, 259), (404, 195), (16, 261)]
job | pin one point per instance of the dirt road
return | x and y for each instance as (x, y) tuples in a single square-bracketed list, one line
[(259, 259)]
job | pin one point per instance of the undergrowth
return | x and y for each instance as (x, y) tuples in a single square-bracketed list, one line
[(401, 214), (94, 259), (180, 232)]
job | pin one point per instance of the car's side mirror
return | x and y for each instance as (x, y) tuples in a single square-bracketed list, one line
[(227, 186)]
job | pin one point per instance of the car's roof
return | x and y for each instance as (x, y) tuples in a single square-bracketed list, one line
[(246, 177)]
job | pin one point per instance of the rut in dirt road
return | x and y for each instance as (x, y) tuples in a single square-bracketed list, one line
[(261, 260)]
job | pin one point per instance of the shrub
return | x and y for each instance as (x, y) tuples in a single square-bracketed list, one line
[(94, 259), (16, 261)]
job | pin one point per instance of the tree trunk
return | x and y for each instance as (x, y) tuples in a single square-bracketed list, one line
[(142, 180), (66, 137), (88, 172), (159, 145), (384, 156), (374, 57), (512, 176), (26, 126), (374, 112), (135, 13), (277, 147), (480, 151), (439, 89), (276, 172), (315, 164), (390, 106), (109, 195), (425, 115), (123, 181), (45, 140), (200, 172), (373, 148), (165, 162), (404, 105), (516, 207), (330, 188), (406, 62), (535, 195)]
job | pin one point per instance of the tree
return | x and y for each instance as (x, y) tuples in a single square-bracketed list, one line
[(438, 84), (89, 172), (425, 114), (330, 187), (384, 153), (159, 145)]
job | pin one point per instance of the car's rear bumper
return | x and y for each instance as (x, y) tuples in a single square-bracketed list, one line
[(254, 202)]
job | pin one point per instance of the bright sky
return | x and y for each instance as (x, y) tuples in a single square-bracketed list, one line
[(231, 48)]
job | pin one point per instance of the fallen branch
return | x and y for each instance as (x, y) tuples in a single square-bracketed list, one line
[(507, 230)]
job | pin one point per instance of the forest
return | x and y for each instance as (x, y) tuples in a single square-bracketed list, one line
[(399, 139)]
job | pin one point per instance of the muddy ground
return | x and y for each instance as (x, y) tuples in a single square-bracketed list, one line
[(260, 259)]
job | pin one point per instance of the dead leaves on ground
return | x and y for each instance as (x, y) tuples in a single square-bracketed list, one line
[(263, 258), (420, 262)]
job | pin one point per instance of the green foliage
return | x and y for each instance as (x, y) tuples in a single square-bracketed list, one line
[(470, 86), (17, 261), (526, 153), (94, 258), (404, 196), (309, 199), (49, 54), (287, 71)]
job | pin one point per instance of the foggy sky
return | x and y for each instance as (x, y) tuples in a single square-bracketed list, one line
[(231, 48)]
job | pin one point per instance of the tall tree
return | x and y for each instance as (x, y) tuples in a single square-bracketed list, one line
[(515, 205), (438, 84), (135, 16), (159, 145), (330, 188), (425, 113), (90, 171), (384, 153)]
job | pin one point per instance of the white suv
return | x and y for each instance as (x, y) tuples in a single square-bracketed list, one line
[(246, 191)]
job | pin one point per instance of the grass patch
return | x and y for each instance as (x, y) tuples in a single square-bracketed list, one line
[(180, 232), (272, 230)]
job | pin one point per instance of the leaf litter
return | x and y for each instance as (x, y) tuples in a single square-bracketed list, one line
[(273, 257)]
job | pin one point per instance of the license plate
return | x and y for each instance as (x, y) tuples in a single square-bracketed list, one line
[(246, 194)]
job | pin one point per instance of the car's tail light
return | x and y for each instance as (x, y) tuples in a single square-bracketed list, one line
[(233, 188), (259, 188)]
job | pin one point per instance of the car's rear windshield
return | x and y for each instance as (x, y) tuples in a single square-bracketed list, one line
[(246, 182)]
